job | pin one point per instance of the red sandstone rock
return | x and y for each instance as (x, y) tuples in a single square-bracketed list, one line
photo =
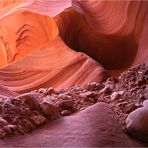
[(66, 104), (31, 100), (61, 43), (137, 122), (50, 110)]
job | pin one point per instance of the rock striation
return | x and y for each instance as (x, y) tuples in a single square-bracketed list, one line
[(60, 57), (105, 31)]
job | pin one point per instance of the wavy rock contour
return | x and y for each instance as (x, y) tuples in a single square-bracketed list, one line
[(111, 33)]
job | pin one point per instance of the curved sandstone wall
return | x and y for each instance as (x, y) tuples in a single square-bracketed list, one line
[(61, 43)]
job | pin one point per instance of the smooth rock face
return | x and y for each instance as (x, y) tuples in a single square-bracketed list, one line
[(137, 123), (115, 41), (94, 127)]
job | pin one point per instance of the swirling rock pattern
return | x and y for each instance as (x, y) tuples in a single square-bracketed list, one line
[(56, 43), (50, 69), (38, 40)]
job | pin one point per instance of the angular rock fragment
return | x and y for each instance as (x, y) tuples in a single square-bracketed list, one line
[(47, 91), (42, 90), (50, 110), (64, 97), (31, 100), (50, 91), (96, 86), (86, 94), (106, 90), (66, 104), (66, 112), (114, 96)]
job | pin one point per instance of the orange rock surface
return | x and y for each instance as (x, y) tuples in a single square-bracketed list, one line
[(61, 43)]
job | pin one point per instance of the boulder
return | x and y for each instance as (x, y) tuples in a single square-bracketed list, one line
[(31, 100), (137, 123), (66, 104), (50, 110)]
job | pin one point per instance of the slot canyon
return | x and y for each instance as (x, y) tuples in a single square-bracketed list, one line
[(73, 73)]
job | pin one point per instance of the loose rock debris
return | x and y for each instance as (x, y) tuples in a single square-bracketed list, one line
[(124, 94)]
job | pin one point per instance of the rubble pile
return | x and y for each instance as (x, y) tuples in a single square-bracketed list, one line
[(25, 112)]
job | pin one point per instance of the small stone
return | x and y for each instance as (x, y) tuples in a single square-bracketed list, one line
[(31, 100), (47, 91), (3, 122), (85, 94), (106, 90), (66, 112), (92, 85), (64, 97), (145, 103), (2, 133), (96, 86), (82, 108), (121, 92), (38, 119), (42, 90), (50, 90), (137, 123), (50, 110), (129, 108), (115, 95), (35, 91), (66, 104), (122, 104), (100, 86)]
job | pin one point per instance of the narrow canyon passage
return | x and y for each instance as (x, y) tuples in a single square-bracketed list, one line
[(109, 50), (112, 44), (87, 60)]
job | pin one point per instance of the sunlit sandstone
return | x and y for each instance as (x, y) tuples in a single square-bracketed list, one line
[(69, 42)]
